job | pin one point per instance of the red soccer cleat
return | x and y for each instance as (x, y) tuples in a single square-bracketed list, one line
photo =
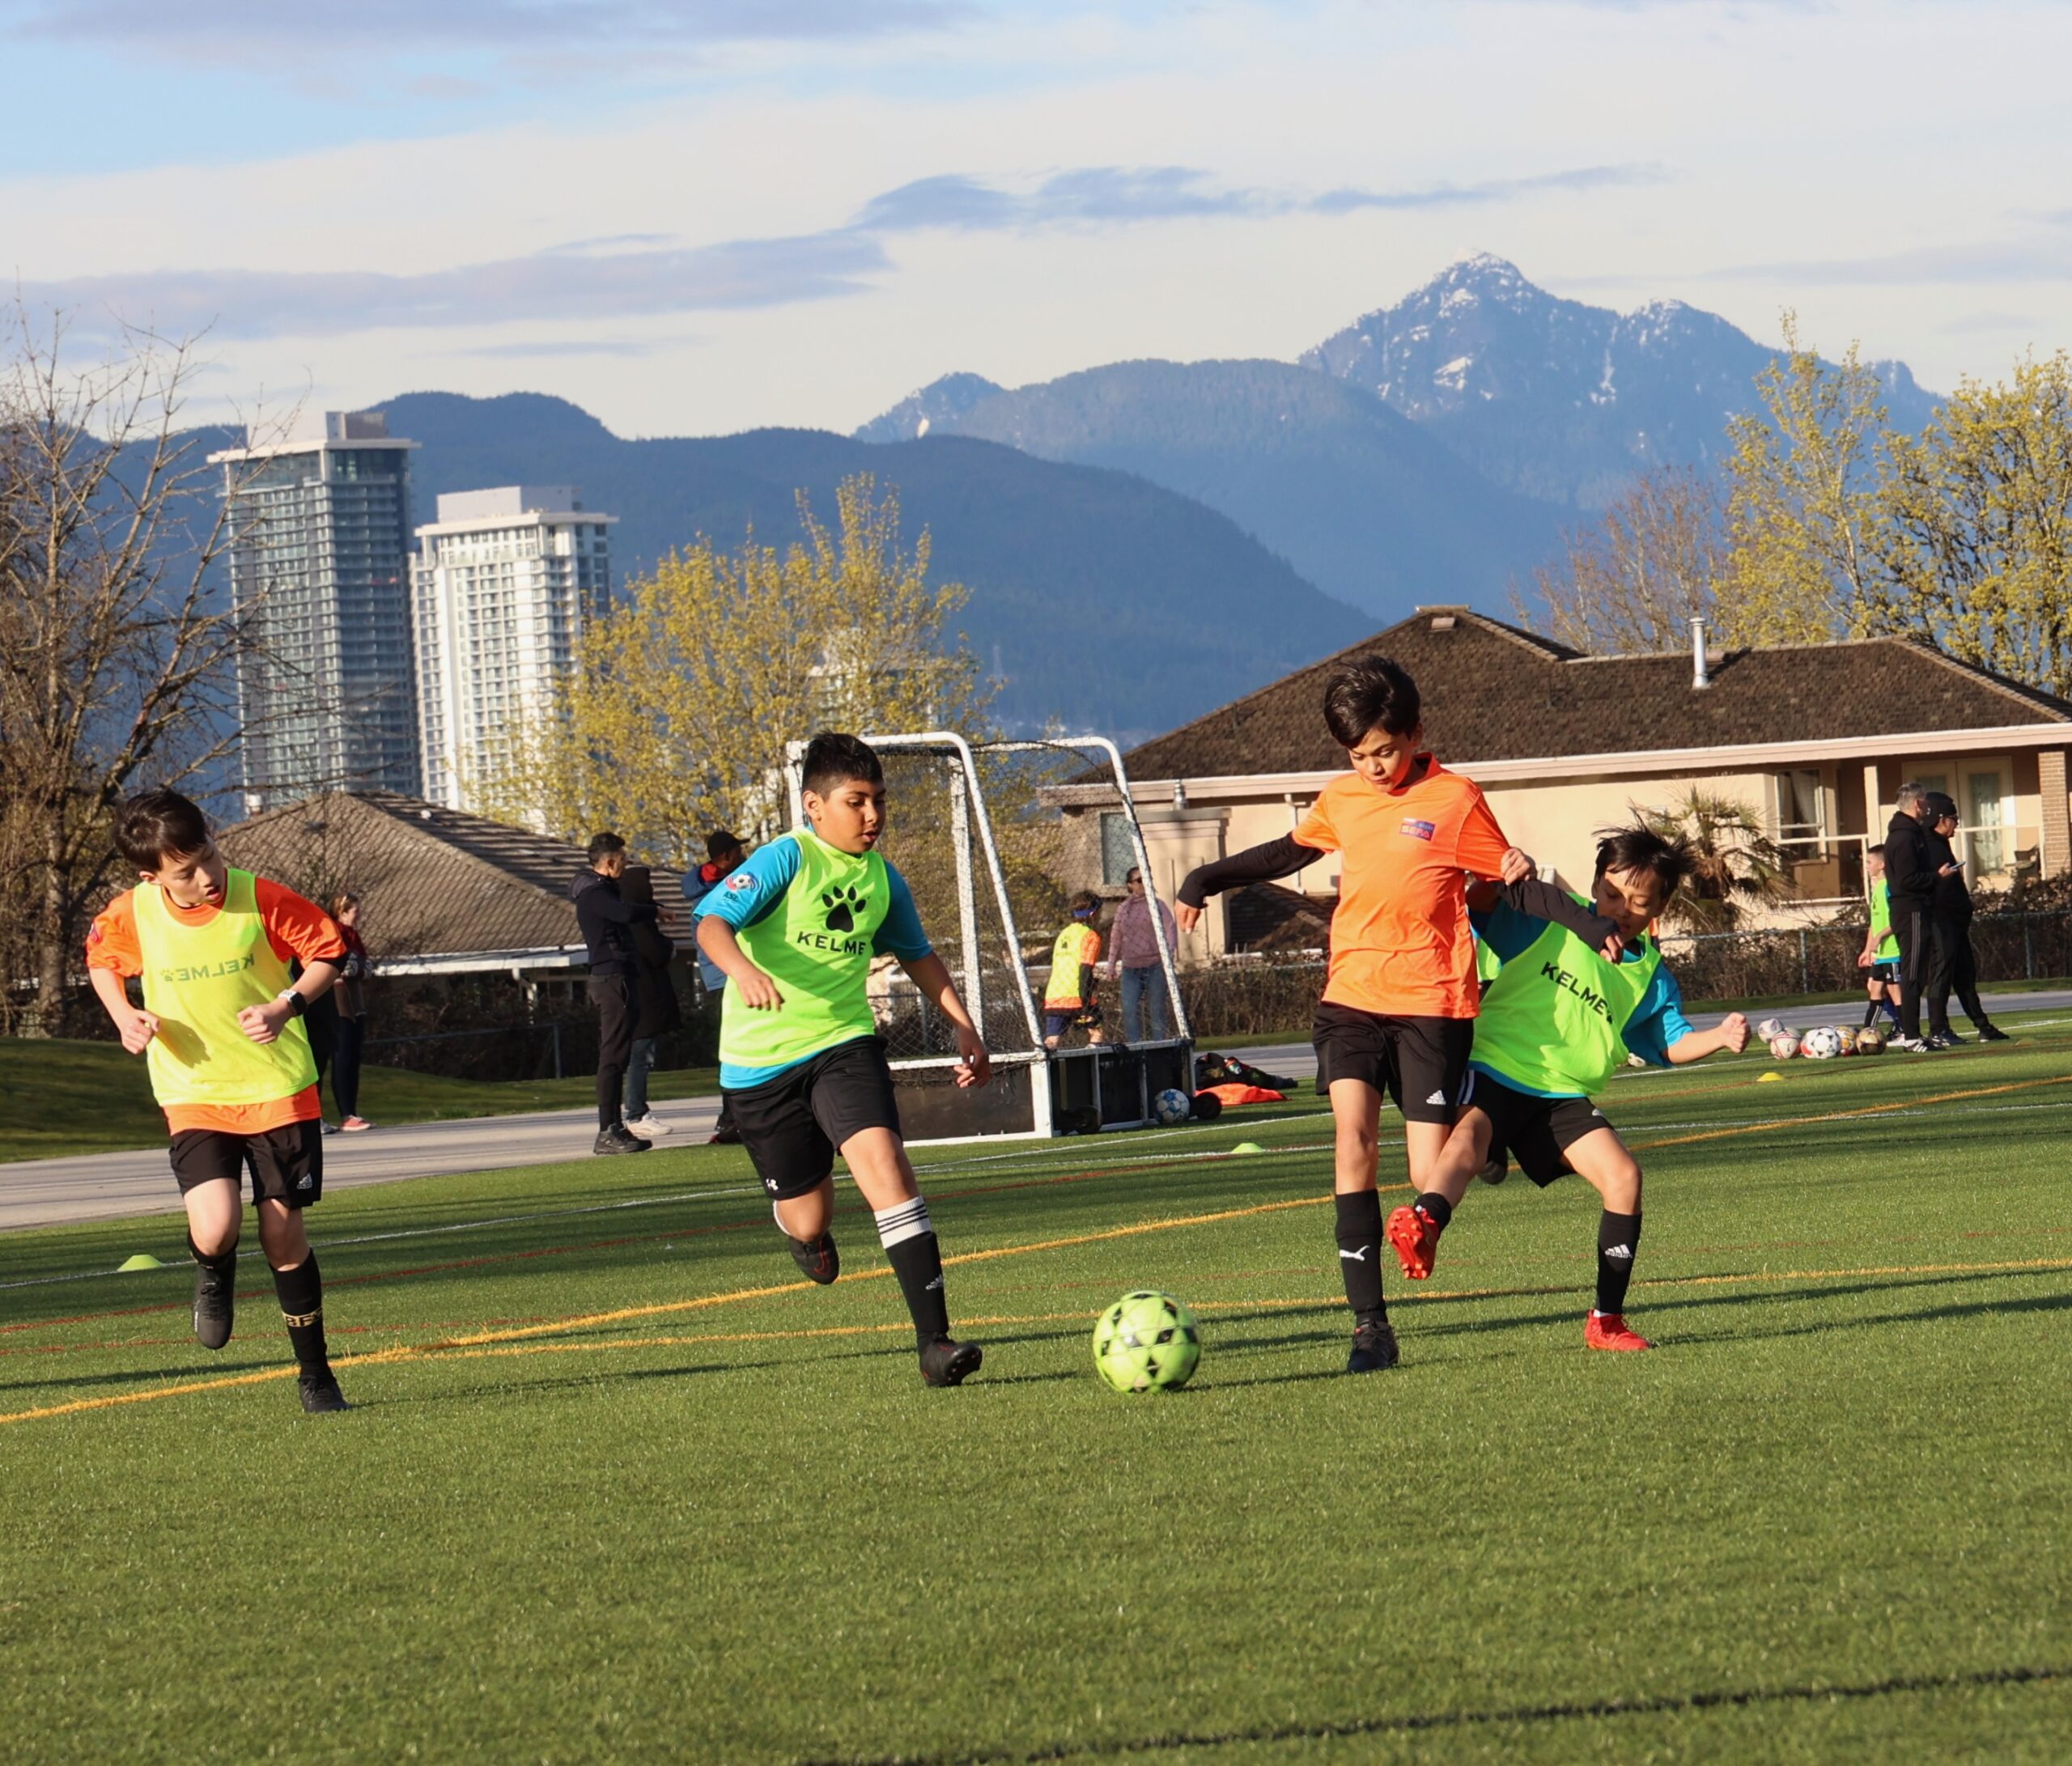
[(1416, 1240), (1607, 1330)]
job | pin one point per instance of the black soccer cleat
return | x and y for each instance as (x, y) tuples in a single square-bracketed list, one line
[(816, 1257), (947, 1363), (1945, 1039), (320, 1395), (617, 1139), (1495, 1169), (1992, 1032), (215, 1302), (1374, 1350)]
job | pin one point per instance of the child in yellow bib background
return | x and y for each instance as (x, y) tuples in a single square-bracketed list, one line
[(222, 1034)]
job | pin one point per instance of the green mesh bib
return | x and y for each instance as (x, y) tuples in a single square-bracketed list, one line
[(816, 943), (1552, 1021)]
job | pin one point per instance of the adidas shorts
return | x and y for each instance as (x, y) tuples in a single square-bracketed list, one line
[(792, 1124), (1420, 1063), (1538, 1131), (1886, 972), (287, 1164)]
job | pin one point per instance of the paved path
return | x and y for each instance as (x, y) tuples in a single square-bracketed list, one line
[(112, 1186)]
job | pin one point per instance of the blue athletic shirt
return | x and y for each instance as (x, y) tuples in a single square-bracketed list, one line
[(1657, 1023), (770, 871)]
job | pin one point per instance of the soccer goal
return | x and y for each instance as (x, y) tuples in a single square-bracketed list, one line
[(974, 829)]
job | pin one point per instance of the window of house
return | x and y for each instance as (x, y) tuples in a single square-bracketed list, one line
[(1118, 850), (1801, 812)]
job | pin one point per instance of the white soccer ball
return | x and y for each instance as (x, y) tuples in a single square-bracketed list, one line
[(1784, 1045), (1823, 1044), (1172, 1107)]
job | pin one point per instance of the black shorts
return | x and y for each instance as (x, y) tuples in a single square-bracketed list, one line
[(287, 1164), (1538, 1131), (1888, 972), (1057, 1023), (1420, 1063), (791, 1124)]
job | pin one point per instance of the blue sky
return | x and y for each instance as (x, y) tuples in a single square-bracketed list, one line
[(699, 216)]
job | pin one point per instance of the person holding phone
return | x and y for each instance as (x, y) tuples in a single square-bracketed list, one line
[(1952, 964)]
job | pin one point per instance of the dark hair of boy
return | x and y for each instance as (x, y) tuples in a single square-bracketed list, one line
[(719, 842), (602, 846), (1878, 851), (1669, 858), (1086, 901), (1371, 692), (833, 759), (153, 826)]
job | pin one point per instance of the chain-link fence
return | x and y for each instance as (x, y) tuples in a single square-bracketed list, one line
[(1246, 997)]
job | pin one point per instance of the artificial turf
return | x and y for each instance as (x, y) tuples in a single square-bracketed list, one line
[(723, 1520)]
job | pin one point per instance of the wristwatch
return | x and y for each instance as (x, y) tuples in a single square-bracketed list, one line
[(297, 1005)]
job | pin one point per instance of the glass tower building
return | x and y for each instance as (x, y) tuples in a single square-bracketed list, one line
[(319, 527), (502, 584)]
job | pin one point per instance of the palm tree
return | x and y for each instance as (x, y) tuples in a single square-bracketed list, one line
[(1738, 870)]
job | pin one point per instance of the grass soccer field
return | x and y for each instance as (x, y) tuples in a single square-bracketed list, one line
[(619, 1486)]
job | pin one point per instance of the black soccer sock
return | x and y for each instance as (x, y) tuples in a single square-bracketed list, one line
[(223, 1262), (1870, 1013), (1617, 1237), (1435, 1208), (301, 1292), (1360, 1256), (915, 1255)]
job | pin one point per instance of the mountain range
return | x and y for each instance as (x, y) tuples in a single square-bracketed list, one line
[(1096, 597), (1430, 451)]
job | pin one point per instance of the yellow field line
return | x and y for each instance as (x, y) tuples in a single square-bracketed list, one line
[(1845, 1116), (590, 1320)]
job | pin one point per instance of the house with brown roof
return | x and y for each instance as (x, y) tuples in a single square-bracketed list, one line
[(443, 892), (1814, 739)]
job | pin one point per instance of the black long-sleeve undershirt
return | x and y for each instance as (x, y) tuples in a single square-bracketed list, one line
[(1255, 864), (1286, 856)]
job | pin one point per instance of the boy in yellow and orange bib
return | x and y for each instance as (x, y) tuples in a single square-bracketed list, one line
[(221, 1030)]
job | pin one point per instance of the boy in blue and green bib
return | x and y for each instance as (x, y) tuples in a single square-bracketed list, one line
[(801, 1062), (1559, 1019), (1880, 955)]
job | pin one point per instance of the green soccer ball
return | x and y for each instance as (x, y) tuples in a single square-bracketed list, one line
[(1146, 1342)]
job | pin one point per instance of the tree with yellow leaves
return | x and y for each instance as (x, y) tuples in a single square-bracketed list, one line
[(685, 693), (1804, 515), (1976, 541)]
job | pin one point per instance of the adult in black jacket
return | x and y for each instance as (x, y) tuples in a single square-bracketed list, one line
[(1952, 965), (607, 920), (1910, 875), (657, 1012)]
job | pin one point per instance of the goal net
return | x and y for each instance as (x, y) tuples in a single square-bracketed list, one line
[(976, 832)]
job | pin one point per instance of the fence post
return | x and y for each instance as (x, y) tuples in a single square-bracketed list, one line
[(1805, 973), (2028, 947), (557, 1048)]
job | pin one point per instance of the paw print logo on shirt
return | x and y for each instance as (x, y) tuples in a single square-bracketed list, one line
[(843, 904)]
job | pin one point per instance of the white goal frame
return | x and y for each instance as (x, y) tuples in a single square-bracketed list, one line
[(970, 817)]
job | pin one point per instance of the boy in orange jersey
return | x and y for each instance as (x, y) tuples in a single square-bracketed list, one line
[(221, 1028), (1400, 1000)]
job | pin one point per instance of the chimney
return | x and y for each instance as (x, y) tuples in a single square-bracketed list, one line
[(1700, 676)]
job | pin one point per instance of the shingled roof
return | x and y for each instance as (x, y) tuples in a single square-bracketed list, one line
[(1494, 692), (433, 882)]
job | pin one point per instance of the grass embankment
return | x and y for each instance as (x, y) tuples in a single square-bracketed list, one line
[(619, 1486), (57, 1098)]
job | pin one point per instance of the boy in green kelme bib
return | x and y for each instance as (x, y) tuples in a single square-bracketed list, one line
[(800, 1060), (1557, 1022)]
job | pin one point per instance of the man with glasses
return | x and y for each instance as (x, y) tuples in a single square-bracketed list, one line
[(1952, 965), (1133, 950)]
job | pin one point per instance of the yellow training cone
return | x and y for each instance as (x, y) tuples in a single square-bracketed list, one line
[(141, 1260)]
